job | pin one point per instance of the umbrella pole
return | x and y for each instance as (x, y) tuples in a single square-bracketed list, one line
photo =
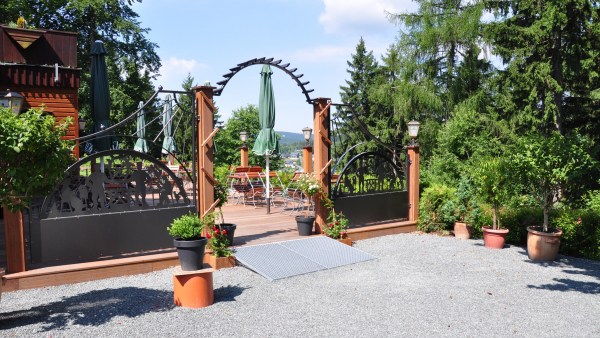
[(268, 187)]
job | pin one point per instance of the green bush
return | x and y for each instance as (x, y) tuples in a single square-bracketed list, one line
[(186, 227), (437, 208)]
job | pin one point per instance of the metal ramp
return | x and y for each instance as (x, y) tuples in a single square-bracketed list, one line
[(296, 257)]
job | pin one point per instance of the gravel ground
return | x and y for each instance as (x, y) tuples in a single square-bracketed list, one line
[(420, 285)]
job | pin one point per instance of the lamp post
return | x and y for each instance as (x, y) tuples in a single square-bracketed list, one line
[(244, 149), (413, 132), (307, 151), (413, 172), (12, 101)]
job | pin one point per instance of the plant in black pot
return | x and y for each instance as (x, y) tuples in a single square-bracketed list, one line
[(547, 166), (309, 186), (187, 233), (221, 198)]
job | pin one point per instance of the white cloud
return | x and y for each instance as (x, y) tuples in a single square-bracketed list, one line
[(360, 15), (173, 71)]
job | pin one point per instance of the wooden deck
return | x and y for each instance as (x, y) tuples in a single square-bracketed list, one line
[(254, 226)]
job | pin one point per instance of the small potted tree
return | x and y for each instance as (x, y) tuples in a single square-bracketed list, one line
[(309, 186), (218, 241), (490, 177), (221, 195), (466, 209), (546, 165), (187, 238), (337, 223)]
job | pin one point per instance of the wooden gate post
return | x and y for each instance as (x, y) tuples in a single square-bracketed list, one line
[(15, 243), (244, 156), (413, 183), (205, 167), (307, 159), (321, 116)]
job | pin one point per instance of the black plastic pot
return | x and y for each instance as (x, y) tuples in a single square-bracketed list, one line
[(191, 253), (305, 225), (230, 228)]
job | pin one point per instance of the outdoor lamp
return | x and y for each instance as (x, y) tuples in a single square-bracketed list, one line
[(244, 138), (307, 131), (82, 124), (413, 131), (12, 101)]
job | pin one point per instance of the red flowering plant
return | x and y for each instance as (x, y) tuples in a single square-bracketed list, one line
[(217, 238), (337, 223)]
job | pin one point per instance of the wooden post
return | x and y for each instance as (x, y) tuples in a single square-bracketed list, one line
[(307, 159), (413, 183), (244, 156), (15, 241), (205, 157), (321, 114)]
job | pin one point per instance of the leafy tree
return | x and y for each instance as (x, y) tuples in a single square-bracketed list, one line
[(131, 60), (33, 157), (228, 142)]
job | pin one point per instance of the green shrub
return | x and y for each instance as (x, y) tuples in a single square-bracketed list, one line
[(581, 232), (437, 208), (186, 227)]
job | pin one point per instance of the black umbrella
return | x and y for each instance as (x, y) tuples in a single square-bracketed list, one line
[(100, 96)]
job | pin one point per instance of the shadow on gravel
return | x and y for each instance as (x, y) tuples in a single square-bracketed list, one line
[(228, 293), (575, 267), (91, 308)]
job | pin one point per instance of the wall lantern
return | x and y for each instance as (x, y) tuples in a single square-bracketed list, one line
[(11, 100), (307, 132), (82, 124), (244, 138)]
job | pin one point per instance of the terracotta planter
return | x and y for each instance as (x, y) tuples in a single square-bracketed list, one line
[(462, 230), (305, 225), (543, 246), (221, 262), (494, 239), (347, 241), (193, 289)]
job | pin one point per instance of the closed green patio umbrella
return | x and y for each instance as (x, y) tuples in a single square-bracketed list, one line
[(168, 141), (140, 144), (266, 141), (100, 96)]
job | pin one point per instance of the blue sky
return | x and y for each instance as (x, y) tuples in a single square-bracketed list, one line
[(206, 38)]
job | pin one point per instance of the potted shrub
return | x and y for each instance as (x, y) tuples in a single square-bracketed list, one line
[(309, 186), (187, 238), (466, 209), (546, 166), (491, 180), (33, 159), (437, 209)]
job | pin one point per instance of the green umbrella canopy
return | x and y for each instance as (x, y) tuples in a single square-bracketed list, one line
[(140, 144), (100, 96), (168, 141), (266, 141)]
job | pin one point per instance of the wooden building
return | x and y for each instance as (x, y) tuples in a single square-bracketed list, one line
[(41, 65)]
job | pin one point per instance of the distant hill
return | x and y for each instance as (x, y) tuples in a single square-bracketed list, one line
[(288, 137)]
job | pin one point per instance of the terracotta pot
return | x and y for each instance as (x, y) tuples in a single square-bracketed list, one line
[(462, 230), (347, 241), (543, 246), (221, 262), (494, 239)]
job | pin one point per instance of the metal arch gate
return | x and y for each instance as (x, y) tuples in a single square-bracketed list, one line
[(123, 208)]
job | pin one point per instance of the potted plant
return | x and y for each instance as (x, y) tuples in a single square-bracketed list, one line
[(33, 159), (490, 177), (309, 186), (337, 223), (218, 242), (546, 165), (187, 238), (466, 209), (220, 194)]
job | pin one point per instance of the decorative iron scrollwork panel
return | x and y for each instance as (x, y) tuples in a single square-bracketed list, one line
[(367, 173), (117, 181)]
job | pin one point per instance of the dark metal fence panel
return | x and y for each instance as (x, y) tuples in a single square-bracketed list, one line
[(372, 188)]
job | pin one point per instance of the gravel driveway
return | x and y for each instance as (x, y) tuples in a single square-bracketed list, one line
[(420, 285)]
